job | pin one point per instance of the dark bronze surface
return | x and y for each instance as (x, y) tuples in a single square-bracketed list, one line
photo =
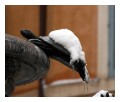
[(24, 62)]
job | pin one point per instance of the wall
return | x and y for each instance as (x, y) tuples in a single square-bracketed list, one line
[(22, 17)]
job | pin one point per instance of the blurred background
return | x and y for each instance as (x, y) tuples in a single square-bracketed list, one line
[(95, 28)]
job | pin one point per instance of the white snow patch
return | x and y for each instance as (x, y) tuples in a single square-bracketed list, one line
[(103, 92), (70, 42)]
